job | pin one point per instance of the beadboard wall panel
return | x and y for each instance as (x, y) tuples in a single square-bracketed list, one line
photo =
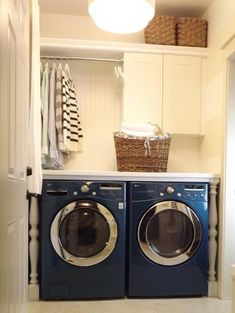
[(184, 154), (99, 94)]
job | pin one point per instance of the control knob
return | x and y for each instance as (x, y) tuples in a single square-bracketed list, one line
[(170, 189), (84, 188)]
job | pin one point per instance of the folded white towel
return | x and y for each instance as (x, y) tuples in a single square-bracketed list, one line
[(141, 129), (138, 127), (137, 133)]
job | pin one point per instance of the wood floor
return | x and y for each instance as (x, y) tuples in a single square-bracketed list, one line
[(189, 305)]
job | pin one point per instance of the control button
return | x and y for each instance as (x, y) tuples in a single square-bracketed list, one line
[(195, 195), (161, 194), (93, 193), (170, 189), (85, 188), (75, 193), (120, 205), (179, 194), (187, 194), (202, 195)]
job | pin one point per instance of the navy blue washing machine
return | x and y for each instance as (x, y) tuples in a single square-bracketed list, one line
[(168, 239), (82, 241)]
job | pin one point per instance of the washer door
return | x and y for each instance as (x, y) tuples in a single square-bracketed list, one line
[(169, 233), (84, 233)]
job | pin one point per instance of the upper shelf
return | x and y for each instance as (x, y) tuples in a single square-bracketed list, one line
[(108, 49)]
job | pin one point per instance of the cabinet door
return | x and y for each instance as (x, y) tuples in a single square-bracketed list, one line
[(182, 95), (142, 95)]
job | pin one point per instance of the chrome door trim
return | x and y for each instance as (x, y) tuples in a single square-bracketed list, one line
[(82, 261), (145, 221)]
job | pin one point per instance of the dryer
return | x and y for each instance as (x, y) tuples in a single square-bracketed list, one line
[(168, 239), (82, 241)]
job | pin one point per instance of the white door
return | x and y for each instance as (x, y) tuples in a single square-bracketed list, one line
[(14, 99)]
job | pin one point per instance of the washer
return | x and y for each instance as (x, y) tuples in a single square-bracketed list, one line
[(82, 240), (168, 239)]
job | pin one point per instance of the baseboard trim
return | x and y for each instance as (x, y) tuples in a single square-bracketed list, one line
[(212, 289), (33, 292)]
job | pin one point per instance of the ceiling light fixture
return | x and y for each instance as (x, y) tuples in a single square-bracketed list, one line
[(121, 16)]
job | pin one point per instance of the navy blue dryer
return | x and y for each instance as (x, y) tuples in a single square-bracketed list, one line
[(82, 240), (168, 239)]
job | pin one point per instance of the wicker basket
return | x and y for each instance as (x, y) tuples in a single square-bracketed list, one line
[(191, 31), (142, 154), (161, 30)]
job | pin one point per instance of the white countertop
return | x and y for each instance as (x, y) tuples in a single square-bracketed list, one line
[(130, 176)]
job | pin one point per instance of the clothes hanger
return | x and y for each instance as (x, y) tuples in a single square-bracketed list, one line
[(68, 71)]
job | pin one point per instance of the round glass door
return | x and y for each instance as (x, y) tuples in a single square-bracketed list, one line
[(84, 233), (169, 233)]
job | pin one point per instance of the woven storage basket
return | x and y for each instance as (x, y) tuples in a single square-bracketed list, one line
[(161, 30), (191, 31), (142, 154)]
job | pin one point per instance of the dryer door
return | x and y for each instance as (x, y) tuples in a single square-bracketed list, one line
[(169, 233), (84, 233)]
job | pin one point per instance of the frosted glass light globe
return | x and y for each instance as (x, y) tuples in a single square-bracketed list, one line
[(122, 16)]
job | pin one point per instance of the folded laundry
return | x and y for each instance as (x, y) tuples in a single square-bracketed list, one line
[(137, 133), (141, 127), (137, 129)]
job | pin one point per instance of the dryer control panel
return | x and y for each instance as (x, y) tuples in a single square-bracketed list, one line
[(184, 191), (169, 190)]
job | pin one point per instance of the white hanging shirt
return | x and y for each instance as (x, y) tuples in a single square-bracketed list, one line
[(44, 109), (51, 120)]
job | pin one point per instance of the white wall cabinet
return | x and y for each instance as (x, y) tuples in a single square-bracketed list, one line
[(163, 89), (182, 94), (142, 94)]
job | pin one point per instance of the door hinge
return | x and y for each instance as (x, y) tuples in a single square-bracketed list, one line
[(29, 195), (29, 171)]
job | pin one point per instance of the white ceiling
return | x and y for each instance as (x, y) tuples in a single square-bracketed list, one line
[(168, 7)]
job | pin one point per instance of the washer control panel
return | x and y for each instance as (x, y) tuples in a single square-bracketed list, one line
[(115, 191), (99, 190)]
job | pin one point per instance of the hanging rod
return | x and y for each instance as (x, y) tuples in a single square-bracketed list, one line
[(50, 57)]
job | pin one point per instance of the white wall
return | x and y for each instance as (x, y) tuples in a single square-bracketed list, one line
[(221, 17), (80, 27), (228, 238), (211, 145), (219, 14), (184, 154)]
